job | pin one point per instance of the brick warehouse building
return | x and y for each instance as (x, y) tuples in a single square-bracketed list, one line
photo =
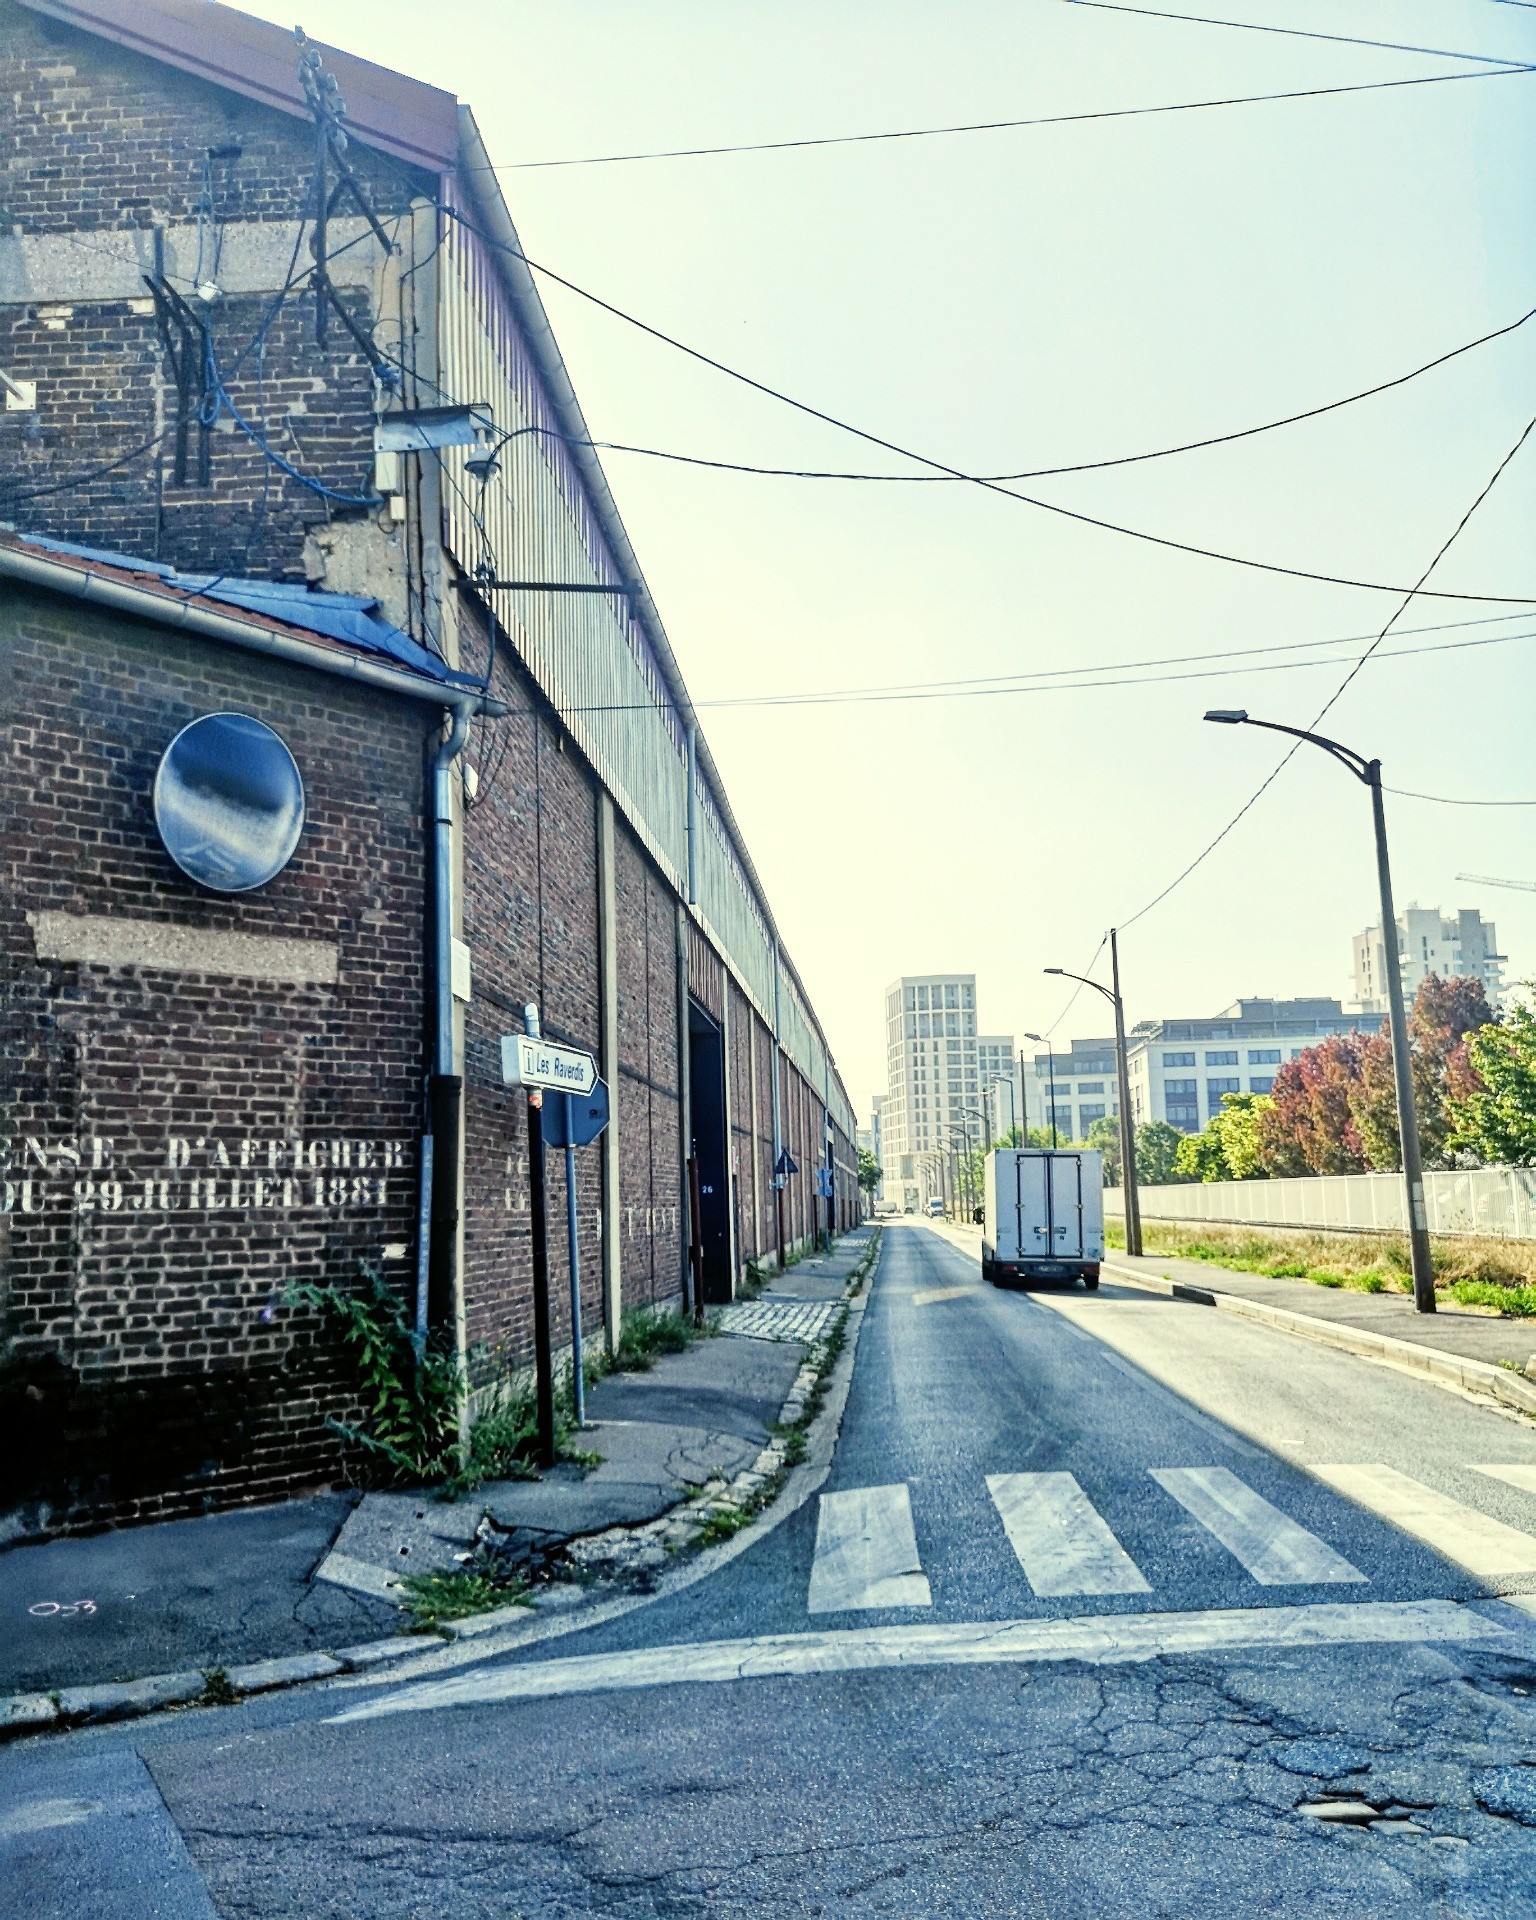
[(209, 1094)]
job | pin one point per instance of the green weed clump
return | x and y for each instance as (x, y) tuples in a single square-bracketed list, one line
[(649, 1332), (456, 1593)]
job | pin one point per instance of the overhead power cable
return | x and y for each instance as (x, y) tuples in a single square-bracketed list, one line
[(943, 467), (1296, 745), (1296, 33), (1445, 800), (994, 126), (1039, 473)]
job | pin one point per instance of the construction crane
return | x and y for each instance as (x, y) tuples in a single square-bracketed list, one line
[(1487, 880)]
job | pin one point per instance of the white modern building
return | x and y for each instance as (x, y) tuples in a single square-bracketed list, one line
[(1072, 1087), (1180, 1070), (1455, 946), (933, 1089), (998, 1074)]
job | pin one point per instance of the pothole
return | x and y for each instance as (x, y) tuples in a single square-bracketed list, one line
[(1354, 1810)]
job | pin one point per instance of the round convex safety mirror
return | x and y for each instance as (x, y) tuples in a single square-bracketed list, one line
[(229, 802)]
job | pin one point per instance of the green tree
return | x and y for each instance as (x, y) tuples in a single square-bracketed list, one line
[(1104, 1135), (1157, 1152), (1237, 1128), (871, 1173), (1201, 1156), (1497, 1119)]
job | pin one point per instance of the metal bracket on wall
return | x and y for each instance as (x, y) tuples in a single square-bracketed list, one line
[(20, 395), (184, 335)]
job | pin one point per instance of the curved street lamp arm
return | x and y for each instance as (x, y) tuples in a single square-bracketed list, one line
[(1366, 771)]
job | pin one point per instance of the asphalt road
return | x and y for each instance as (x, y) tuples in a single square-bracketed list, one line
[(1099, 1590)]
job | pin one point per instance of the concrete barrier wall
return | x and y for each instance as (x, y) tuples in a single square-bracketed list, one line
[(1497, 1201)]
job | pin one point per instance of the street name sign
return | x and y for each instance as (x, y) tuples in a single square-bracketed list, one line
[(527, 1062)]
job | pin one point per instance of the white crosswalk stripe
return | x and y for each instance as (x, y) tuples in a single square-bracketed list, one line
[(1273, 1549), (866, 1553), (1523, 1477), (1063, 1545), (1484, 1547)]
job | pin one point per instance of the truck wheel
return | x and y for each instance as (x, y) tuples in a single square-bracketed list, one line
[(1091, 1282), (989, 1273)]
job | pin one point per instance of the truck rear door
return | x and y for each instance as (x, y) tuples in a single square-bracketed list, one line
[(1032, 1210), (1066, 1210)]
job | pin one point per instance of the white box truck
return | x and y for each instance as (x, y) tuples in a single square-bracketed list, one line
[(1044, 1216)]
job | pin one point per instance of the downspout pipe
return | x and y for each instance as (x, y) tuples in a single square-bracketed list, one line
[(693, 815), (437, 1242)]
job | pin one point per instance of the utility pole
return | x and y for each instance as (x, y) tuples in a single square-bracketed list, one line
[(1368, 772), (1123, 1082)]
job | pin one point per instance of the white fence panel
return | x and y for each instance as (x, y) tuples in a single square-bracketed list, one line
[(1496, 1202)]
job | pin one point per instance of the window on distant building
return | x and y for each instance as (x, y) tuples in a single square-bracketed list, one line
[(1091, 1086), (1263, 1056), (1223, 1057), (1086, 1117), (1261, 1082), (1214, 1089), (1297, 1052), (1179, 1089), (1178, 1059), (1183, 1114)]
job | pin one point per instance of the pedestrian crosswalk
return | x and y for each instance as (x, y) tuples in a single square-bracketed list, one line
[(867, 1553)]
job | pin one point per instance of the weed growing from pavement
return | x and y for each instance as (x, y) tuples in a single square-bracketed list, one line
[(456, 1593), (1476, 1273), (217, 1692)]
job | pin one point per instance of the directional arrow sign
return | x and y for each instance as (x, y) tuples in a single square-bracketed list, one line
[(526, 1062)]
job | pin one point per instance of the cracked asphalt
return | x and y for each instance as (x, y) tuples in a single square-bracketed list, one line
[(1167, 1786)]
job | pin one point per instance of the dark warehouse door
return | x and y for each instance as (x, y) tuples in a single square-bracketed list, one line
[(706, 1097)]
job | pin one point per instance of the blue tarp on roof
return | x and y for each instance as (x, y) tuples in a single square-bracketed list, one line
[(339, 616)]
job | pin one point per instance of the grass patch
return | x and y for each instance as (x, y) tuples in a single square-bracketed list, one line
[(725, 1523), (1500, 1274), (647, 1333), (456, 1593)]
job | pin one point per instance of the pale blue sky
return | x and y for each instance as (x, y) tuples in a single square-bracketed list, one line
[(1024, 299)]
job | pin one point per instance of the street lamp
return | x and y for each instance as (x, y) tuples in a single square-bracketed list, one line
[(1368, 772), (1123, 1082), (1051, 1055)]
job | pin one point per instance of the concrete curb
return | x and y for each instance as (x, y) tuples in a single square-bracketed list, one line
[(1446, 1369), (486, 1634)]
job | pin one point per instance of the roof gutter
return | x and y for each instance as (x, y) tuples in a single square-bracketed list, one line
[(187, 615)]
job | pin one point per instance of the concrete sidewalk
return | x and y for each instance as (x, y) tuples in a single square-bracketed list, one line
[(316, 1576), (1451, 1329)]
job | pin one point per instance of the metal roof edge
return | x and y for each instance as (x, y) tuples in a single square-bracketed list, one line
[(478, 176), (185, 615), (403, 116)]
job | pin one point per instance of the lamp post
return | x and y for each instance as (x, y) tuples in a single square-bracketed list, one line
[(967, 1114), (1051, 1055), (1123, 1084), (1368, 773)]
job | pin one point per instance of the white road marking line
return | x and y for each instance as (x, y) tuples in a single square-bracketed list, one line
[(1111, 1640), (1062, 1542), (1272, 1547), (1523, 1477), (1484, 1547), (930, 1294), (866, 1553)]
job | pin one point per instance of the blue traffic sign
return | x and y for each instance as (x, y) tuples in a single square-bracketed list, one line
[(588, 1112)]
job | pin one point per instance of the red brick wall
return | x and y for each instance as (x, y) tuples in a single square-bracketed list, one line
[(531, 919), (147, 1365), (95, 140)]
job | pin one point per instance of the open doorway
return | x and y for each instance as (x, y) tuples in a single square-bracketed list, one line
[(706, 1105)]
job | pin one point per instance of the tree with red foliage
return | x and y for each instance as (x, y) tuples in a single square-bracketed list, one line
[(1311, 1127)]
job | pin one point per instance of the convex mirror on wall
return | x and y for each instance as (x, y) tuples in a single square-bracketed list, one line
[(229, 802)]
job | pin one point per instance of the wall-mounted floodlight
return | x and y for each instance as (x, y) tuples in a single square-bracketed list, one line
[(1228, 716), (229, 802), (420, 429)]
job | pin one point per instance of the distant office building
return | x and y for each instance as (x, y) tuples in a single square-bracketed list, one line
[(1180, 1070), (997, 1075), (870, 1138), (1075, 1086), (1455, 946), (933, 1092)]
